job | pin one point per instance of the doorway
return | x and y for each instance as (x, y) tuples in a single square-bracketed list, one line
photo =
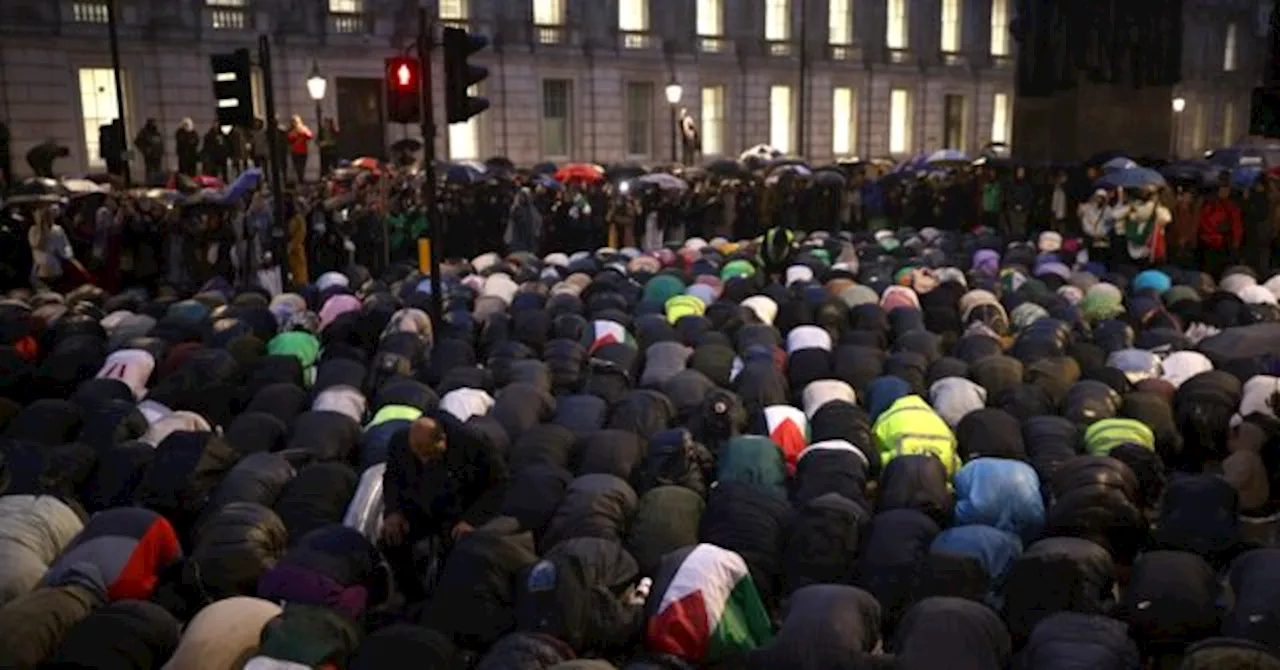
[(363, 132)]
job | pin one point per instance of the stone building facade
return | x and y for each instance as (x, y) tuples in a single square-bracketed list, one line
[(569, 79)]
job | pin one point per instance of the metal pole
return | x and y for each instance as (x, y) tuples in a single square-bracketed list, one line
[(675, 130), (426, 41), (114, 36), (804, 80), (279, 232), (319, 129)]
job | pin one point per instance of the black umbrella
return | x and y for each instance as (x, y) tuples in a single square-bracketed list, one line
[(407, 145), (37, 190), (499, 163), (726, 167), (829, 177), (625, 170)]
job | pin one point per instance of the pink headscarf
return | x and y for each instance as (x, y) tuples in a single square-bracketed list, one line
[(336, 306)]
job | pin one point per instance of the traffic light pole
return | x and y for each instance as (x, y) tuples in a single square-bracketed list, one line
[(426, 41), (113, 35), (280, 232)]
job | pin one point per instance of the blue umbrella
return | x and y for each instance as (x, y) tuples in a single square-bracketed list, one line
[(1118, 163), (546, 181), (946, 156), (1245, 176), (247, 181), (1136, 177), (459, 174)]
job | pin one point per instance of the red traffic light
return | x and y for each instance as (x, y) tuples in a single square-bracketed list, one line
[(404, 76)]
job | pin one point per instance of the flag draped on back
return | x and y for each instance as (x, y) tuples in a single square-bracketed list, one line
[(707, 606)]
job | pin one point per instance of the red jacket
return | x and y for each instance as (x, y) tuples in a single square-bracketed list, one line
[(1220, 226), (298, 139)]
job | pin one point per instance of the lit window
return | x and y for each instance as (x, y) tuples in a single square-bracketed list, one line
[(90, 11), (464, 138), (999, 27), (548, 12), (781, 129), (843, 122), (777, 20), (639, 119), (710, 18), (98, 106), (633, 16), (1000, 118), (1229, 50), (899, 121), (454, 10), (950, 26), (346, 6), (1228, 124), (713, 120), (840, 20), (895, 36), (557, 103)]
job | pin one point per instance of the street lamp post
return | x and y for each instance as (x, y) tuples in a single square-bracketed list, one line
[(674, 91), (1179, 104), (316, 86)]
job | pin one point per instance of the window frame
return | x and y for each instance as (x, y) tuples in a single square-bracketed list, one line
[(713, 127), (840, 22), (778, 29), (789, 135), (849, 126), (951, 24), (899, 39), (1001, 116), (643, 115), (567, 120)]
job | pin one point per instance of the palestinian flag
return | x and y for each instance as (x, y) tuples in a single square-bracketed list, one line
[(602, 332), (788, 427), (704, 606)]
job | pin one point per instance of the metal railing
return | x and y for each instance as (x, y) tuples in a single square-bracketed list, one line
[(228, 19), (550, 34), (348, 24), (709, 44), (90, 12), (899, 55), (635, 40), (780, 48)]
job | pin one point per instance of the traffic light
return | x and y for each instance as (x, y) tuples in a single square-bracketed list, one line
[(404, 89), (460, 76), (233, 88)]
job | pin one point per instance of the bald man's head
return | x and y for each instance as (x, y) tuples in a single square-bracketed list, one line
[(426, 438)]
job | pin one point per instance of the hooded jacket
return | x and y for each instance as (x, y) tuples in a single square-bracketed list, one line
[(910, 426), (826, 626)]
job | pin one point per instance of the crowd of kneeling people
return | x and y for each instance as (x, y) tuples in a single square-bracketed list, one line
[(918, 450)]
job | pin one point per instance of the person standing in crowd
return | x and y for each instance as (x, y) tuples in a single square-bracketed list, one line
[(1182, 231), (1255, 211), (213, 154), (299, 139), (1093, 222), (1022, 197), (993, 201), (524, 223), (237, 144), (150, 143), (1059, 203), (327, 143), (259, 145), (1144, 228), (440, 483), (50, 250), (186, 143), (1221, 230)]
